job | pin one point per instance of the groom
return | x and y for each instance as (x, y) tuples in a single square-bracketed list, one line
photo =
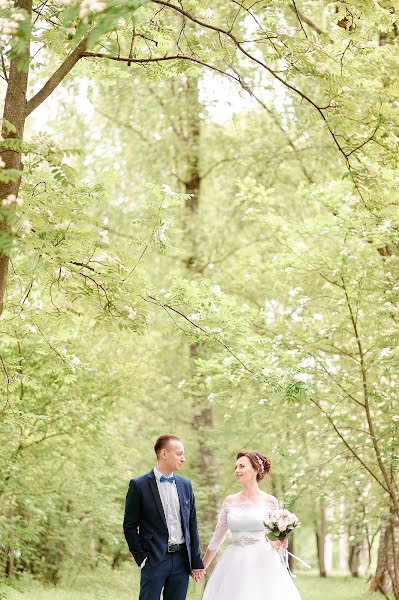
[(160, 525)]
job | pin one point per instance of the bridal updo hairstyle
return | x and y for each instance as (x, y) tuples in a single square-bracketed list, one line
[(259, 461)]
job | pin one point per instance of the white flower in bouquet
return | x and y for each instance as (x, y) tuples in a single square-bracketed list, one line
[(280, 523)]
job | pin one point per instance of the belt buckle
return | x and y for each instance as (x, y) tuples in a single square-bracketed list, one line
[(173, 548)]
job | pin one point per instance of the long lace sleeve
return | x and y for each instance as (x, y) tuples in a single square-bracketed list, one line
[(220, 530)]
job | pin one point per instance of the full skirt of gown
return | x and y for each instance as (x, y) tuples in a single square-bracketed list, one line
[(251, 572)]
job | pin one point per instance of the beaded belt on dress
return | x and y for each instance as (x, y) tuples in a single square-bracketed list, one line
[(245, 540)]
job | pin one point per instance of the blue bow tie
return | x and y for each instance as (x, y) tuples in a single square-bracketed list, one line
[(171, 479)]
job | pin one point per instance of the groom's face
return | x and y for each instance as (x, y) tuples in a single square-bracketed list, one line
[(174, 455)]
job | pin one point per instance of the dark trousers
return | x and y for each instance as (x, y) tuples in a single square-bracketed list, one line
[(171, 574)]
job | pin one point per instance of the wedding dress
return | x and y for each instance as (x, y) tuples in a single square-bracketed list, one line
[(250, 568)]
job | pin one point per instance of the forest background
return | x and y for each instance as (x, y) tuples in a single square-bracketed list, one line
[(199, 235)]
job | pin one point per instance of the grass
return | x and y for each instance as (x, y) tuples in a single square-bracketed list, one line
[(336, 587), (123, 585)]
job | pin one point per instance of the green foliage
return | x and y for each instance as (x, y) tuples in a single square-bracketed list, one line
[(8, 175), (272, 308)]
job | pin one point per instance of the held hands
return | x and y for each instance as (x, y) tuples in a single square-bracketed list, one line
[(280, 544), (198, 574)]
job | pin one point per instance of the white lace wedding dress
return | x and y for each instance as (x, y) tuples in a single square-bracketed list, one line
[(250, 568)]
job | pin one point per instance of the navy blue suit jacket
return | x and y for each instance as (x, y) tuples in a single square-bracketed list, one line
[(145, 526)]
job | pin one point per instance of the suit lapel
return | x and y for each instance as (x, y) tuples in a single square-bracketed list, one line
[(179, 487), (157, 497)]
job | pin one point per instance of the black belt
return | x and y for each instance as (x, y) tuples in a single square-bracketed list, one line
[(175, 547)]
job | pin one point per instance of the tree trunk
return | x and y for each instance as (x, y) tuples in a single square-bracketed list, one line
[(386, 577), (202, 420), (321, 541), (9, 552), (329, 542), (15, 114), (9, 570), (355, 551), (92, 545), (342, 539)]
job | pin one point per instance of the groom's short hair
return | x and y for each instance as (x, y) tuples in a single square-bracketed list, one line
[(163, 441)]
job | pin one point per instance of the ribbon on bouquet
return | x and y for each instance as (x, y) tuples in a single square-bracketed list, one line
[(284, 555)]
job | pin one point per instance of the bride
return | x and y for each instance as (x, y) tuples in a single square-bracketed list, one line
[(250, 568)]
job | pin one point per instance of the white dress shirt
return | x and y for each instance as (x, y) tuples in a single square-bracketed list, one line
[(171, 508)]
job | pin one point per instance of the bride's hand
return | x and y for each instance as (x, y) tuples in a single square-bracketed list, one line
[(278, 544)]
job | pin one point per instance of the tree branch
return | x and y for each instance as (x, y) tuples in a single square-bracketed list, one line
[(3, 65), (57, 77), (235, 78), (302, 17), (157, 59), (363, 370), (351, 450), (153, 300), (257, 61), (294, 8)]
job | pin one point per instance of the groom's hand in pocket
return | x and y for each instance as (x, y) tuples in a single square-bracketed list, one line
[(198, 574)]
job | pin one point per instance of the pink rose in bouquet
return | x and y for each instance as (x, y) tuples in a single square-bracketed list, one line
[(280, 523)]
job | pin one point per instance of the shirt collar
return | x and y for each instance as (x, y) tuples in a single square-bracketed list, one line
[(158, 473)]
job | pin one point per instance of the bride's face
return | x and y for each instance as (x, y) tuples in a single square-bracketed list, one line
[(244, 471)]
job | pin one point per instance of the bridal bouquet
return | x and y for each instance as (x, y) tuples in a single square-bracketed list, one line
[(280, 523)]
